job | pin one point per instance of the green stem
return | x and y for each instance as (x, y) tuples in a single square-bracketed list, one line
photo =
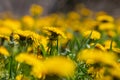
[(57, 46), (51, 46), (10, 68)]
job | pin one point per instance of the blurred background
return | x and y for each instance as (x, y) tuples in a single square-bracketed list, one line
[(21, 7)]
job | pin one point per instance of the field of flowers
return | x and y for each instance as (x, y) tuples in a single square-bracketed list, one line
[(78, 45)]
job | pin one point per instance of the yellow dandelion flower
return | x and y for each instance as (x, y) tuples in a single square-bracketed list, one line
[(94, 34), (106, 26), (106, 78), (118, 29), (85, 11), (29, 35), (98, 73), (90, 23), (42, 22), (100, 13), (4, 51), (115, 72), (107, 44), (5, 31), (97, 56), (28, 22), (19, 77), (111, 33), (36, 39), (30, 49), (53, 66), (73, 15), (55, 31), (4, 37), (36, 10), (98, 46), (16, 37), (44, 41), (116, 50), (74, 25), (12, 24), (105, 18), (64, 41), (38, 69), (22, 33), (30, 59)]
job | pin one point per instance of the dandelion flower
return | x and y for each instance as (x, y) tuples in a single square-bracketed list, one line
[(94, 34), (85, 11), (97, 56), (106, 26), (115, 72), (60, 66), (73, 15), (100, 13), (19, 77), (38, 69), (111, 33), (24, 35), (5, 31), (107, 44), (98, 46), (12, 24), (4, 37), (4, 51), (98, 73), (116, 50), (36, 10), (28, 22), (105, 18), (55, 31), (16, 37), (30, 59)]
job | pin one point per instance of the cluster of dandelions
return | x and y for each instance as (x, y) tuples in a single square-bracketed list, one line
[(79, 45)]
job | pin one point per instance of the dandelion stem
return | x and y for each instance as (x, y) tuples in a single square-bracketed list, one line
[(10, 68), (57, 46), (51, 46)]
